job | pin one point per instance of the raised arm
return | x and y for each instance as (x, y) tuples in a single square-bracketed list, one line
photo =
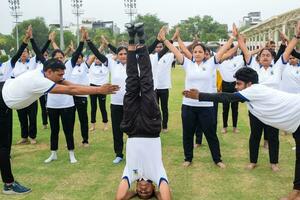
[(243, 47), (79, 49), (227, 45), (290, 47), (90, 60), (109, 45), (51, 38), (95, 51), (24, 44), (157, 40), (230, 53), (170, 46), (183, 48), (165, 49)]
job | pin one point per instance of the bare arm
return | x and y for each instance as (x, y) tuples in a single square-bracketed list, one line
[(292, 44), (243, 47), (164, 192), (90, 60), (184, 49), (230, 53), (73, 89), (123, 193), (170, 46)]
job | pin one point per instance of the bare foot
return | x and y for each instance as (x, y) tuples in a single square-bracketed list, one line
[(164, 130), (186, 164), (292, 196), (197, 145), (275, 167), (224, 130), (93, 127), (251, 166), (235, 130), (221, 165), (105, 127), (266, 144)]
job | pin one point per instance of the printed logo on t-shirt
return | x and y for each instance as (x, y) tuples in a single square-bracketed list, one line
[(135, 171)]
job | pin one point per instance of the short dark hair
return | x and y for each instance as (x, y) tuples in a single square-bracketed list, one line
[(121, 48), (247, 75), (57, 51), (271, 42), (54, 65)]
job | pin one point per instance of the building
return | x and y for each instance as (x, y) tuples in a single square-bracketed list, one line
[(253, 18)]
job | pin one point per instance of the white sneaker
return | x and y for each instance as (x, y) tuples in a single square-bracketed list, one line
[(52, 157), (72, 157), (117, 160)]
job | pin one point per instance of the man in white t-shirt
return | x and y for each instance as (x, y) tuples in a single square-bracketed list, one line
[(24, 90), (142, 123)]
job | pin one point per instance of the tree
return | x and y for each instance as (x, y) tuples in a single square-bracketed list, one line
[(8, 44), (40, 30), (152, 25), (204, 27), (68, 37)]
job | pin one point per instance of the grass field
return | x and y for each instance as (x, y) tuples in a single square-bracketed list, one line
[(95, 177)]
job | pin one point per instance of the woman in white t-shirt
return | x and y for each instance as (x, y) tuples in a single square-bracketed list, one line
[(269, 75), (199, 74)]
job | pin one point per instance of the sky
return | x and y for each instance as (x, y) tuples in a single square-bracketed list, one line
[(170, 11)]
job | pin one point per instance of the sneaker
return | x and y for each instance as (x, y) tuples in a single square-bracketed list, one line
[(23, 141), (117, 160), (51, 158), (32, 141), (15, 188)]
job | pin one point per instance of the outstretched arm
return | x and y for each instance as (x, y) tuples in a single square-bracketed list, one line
[(221, 97), (73, 89)]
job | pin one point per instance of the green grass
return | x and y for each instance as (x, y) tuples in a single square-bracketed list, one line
[(95, 177)]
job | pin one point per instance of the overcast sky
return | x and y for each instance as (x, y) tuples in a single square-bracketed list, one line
[(170, 11)]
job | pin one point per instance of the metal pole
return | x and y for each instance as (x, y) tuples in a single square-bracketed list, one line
[(77, 27), (17, 33), (62, 43)]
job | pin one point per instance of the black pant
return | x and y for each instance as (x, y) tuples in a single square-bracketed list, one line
[(204, 117), (43, 100), (199, 132), (142, 116), (163, 95), (28, 115), (256, 131), (296, 136), (5, 140), (102, 104), (116, 112), (81, 107), (68, 119), (230, 88)]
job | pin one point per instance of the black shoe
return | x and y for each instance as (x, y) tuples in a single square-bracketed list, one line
[(139, 29), (131, 32)]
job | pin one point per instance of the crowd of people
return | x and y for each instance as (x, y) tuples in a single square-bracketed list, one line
[(140, 79)]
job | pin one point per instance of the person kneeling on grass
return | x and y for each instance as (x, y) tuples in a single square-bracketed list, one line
[(22, 91), (273, 107), (142, 123)]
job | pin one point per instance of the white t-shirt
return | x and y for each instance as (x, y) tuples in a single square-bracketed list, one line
[(21, 68), (98, 74), (5, 71), (290, 79), (58, 101), (118, 77), (25, 89), (273, 107), (229, 67), (164, 71), (154, 68), (144, 160), (79, 75), (199, 77), (270, 76)]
